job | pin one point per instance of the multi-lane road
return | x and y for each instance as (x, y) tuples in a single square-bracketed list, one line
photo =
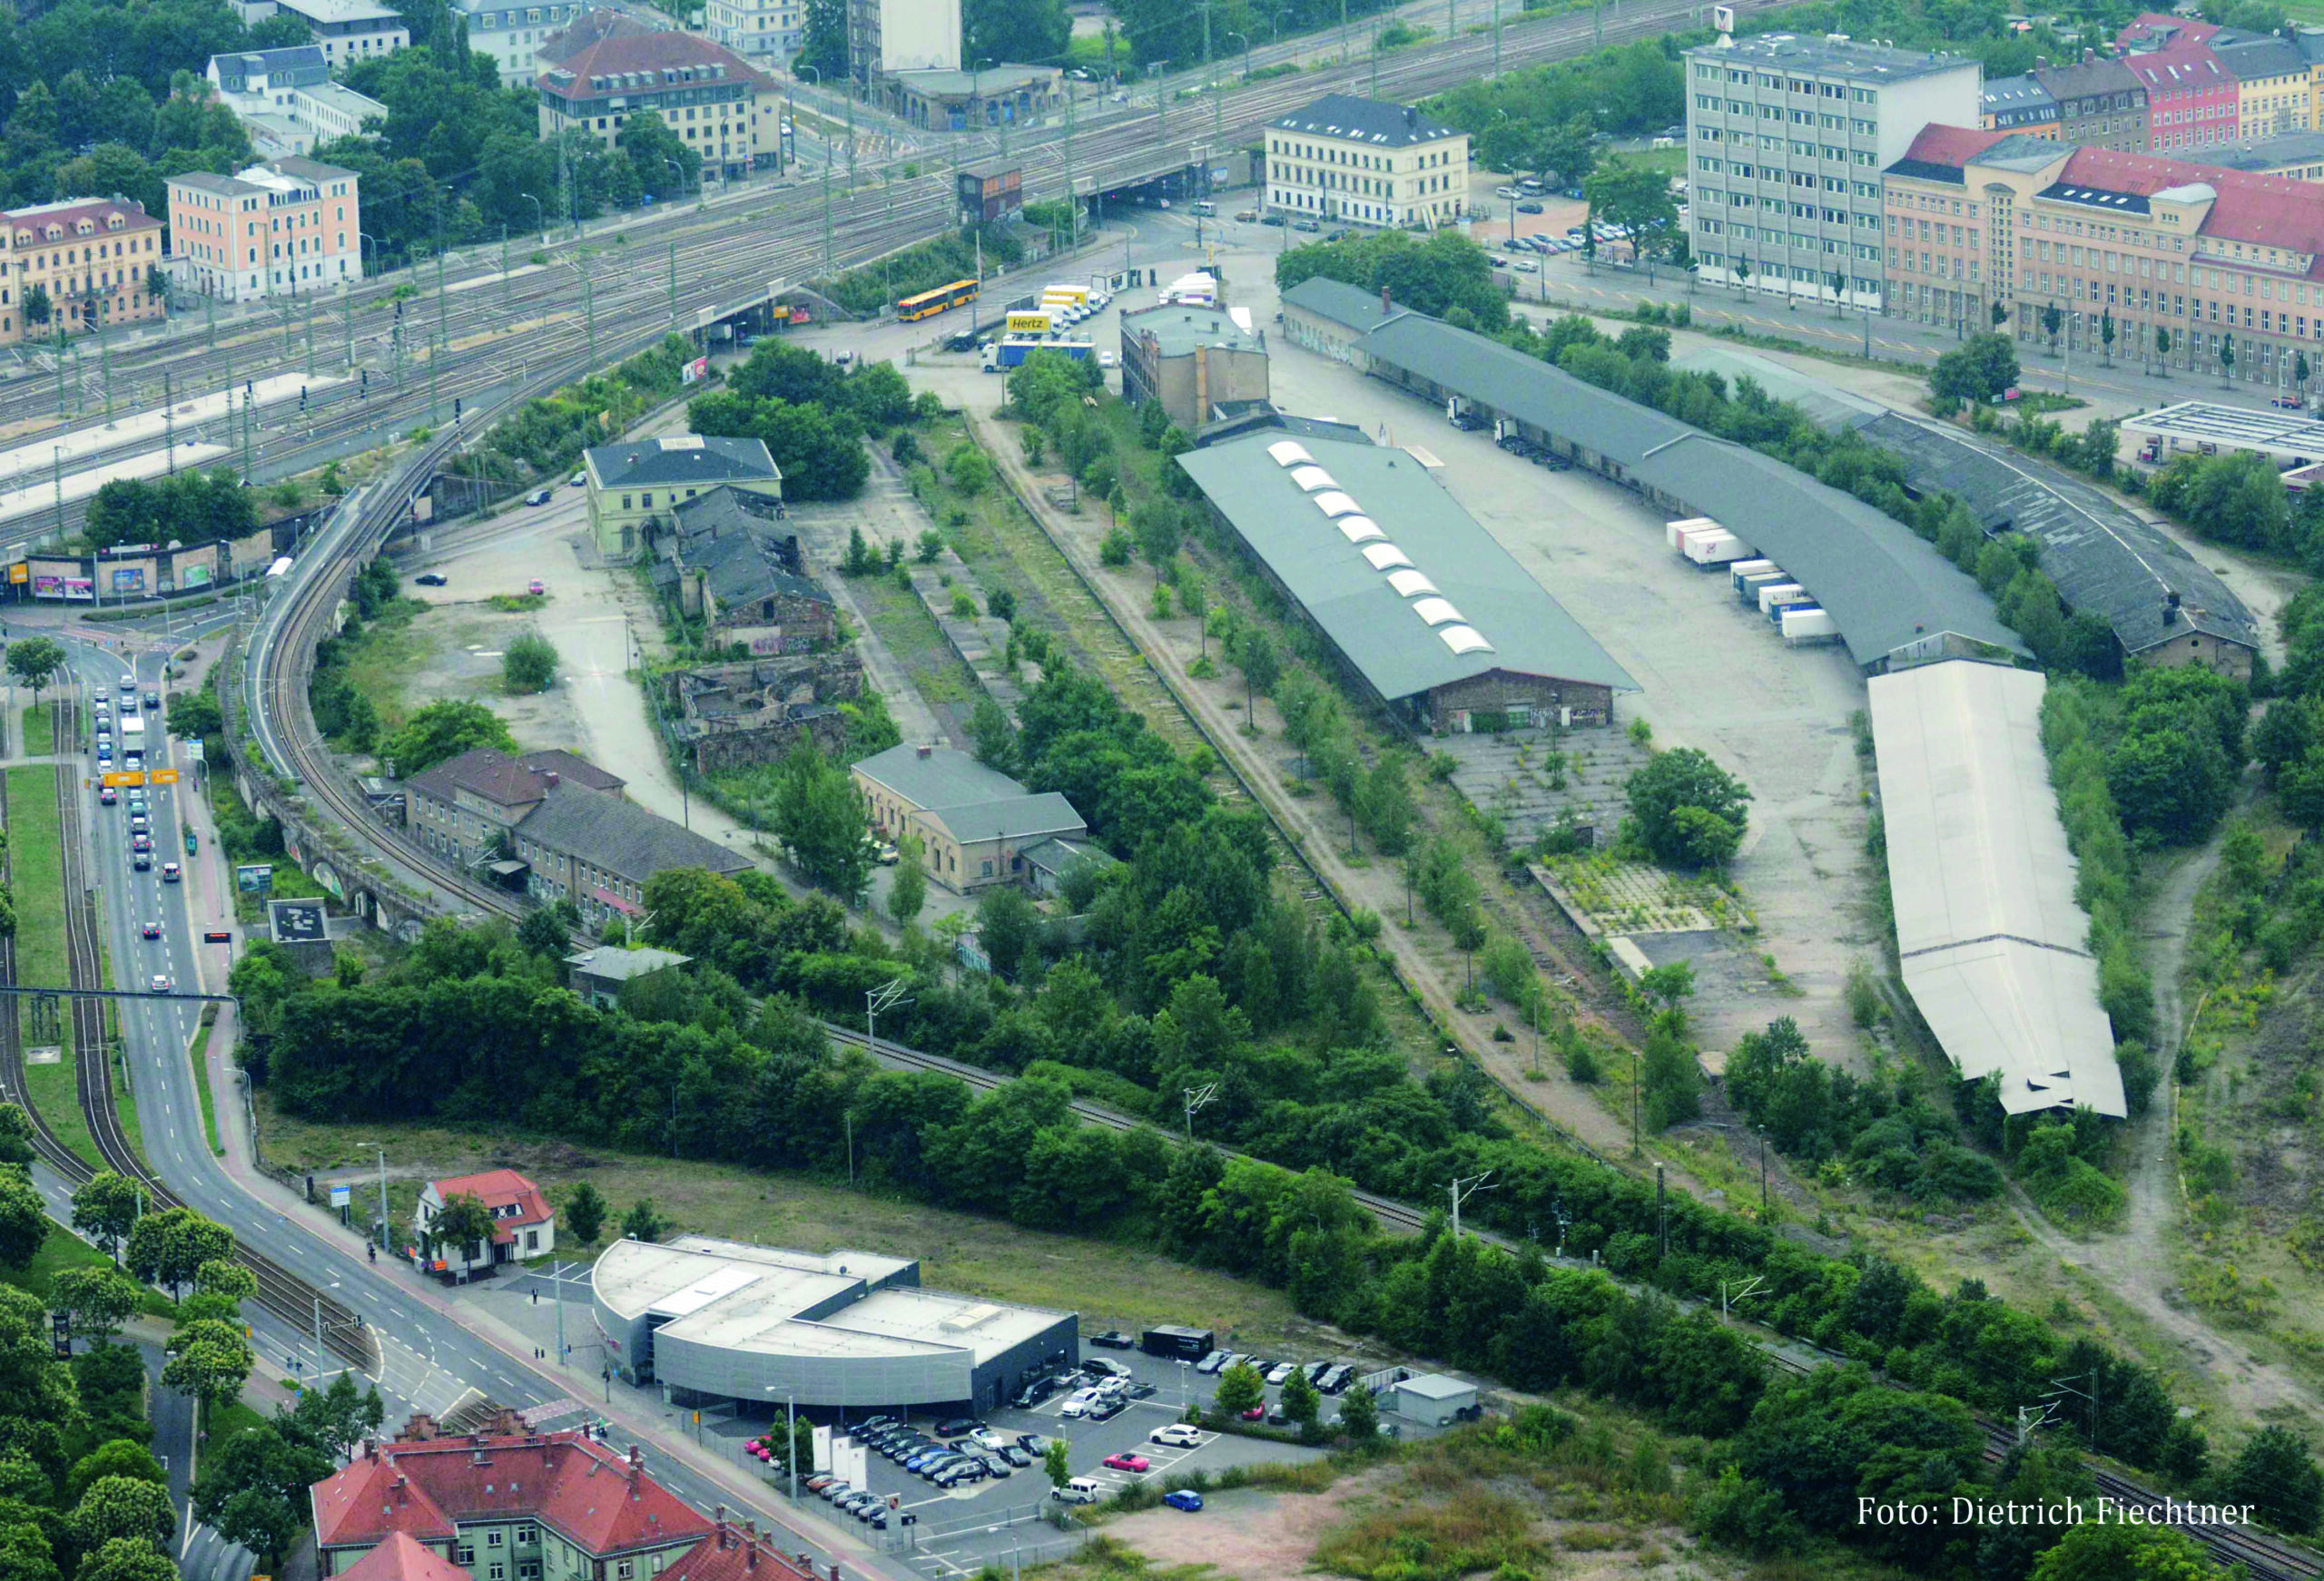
[(679, 266)]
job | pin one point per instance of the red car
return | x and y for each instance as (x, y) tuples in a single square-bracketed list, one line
[(1125, 1462), (1254, 1413), (2290, 401), (536, 586)]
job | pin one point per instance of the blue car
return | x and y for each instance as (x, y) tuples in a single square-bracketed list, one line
[(923, 1459), (1184, 1498)]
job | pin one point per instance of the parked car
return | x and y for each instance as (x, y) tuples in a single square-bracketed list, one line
[(1337, 1379), (1504, 192), (1031, 1443), (1113, 1340), (1275, 219), (1526, 266), (2290, 402), (819, 1482), (1107, 360), (994, 1465), (1081, 1404), (1281, 1370), (957, 1427), (1108, 1408), (536, 588), (1212, 1361), (1015, 1456), (1184, 1498), (1254, 1413), (577, 479), (1305, 225), (431, 579), (832, 1492), (1099, 1367), (1125, 1461), (1529, 208), (1178, 1434), (538, 496)]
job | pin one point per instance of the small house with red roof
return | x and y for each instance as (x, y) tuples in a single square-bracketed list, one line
[(509, 1505), (523, 1224)]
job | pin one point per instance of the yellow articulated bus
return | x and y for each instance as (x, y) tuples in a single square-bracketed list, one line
[(928, 303)]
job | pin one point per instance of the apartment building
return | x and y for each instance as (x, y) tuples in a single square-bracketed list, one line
[(1364, 162), (512, 32), (258, 81), (2101, 101), (346, 31), (2273, 94), (89, 258), (763, 30), (286, 101), (2017, 104), (2209, 257), (281, 228), (727, 109), (888, 36), (1787, 135), (637, 486), (2192, 101)]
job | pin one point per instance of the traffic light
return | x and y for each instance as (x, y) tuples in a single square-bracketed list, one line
[(365, 393), (456, 409), (303, 398)]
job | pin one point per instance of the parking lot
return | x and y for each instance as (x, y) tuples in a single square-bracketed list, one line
[(955, 1531)]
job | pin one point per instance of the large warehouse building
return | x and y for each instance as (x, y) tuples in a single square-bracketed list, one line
[(1422, 604), (718, 1320), (1995, 953)]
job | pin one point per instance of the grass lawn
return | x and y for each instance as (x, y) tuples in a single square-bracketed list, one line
[(381, 663), (1670, 161), (63, 1249), (200, 1053), (1110, 1284), (913, 636), (40, 730), (231, 1422), (36, 864)]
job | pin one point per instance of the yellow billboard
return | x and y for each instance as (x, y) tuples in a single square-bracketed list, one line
[(123, 780), (163, 776), (1028, 323)]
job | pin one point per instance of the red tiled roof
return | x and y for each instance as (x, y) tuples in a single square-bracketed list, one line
[(2255, 210), (486, 772), (2193, 29), (730, 1554), (498, 1188), (402, 1558), (1953, 145), (653, 53), (578, 1489), (70, 212), (2183, 68)]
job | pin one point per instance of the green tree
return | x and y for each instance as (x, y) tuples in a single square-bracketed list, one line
[(34, 661), (1673, 1083), (169, 1247), (23, 1222), (1301, 1401), (2052, 320), (36, 306), (1638, 198), (2226, 359), (443, 730), (583, 1212), (818, 816), (335, 1418), (126, 1559), (1359, 1415), (1057, 1461), (1255, 657), (1240, 1388), (1979, 370), (126, 1508), (1009, 927), (15, 1126), (114, 1458), (823, 48), (2162, 340), (95, 1300), (2275, 1475), (463, 1225), (1679, 779), (529, 664), (970, 473), (907, 883), (546, 934), (253, 1490), (644, 1221), (2113, 1551), (990, 734)]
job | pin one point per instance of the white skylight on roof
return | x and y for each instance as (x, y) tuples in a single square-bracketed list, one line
[(1408, 583), (1384, 555), (1290, 453), (1436, 611), (1465, 640), (1312, 478), (1332, 503), (1360, 529)]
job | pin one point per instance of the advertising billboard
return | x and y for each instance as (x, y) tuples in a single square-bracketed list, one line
[(128, 579)]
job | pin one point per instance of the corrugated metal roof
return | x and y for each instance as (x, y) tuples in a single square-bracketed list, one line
[(1994, 950), (1351, 590), (1887, 590), (2101, 556)]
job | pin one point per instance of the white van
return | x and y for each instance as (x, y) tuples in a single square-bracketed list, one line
[(1079, 1490), (1206, 209)]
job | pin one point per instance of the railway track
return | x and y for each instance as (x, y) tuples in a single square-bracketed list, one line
[(281, 1292)]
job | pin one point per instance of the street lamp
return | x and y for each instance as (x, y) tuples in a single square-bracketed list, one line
[(1246, 53), (540, 213)]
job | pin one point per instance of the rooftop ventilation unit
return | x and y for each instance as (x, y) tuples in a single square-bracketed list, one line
[(1384, 556), (1312, 478), (1436, 611), (1360, 529), (1410, 583), (1332, 503), (1290, 453), (1465, 640)]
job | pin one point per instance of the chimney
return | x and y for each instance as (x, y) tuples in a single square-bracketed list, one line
[(2089, 55), (2170, 608), (1388, 305), (554, 779), (925, 750), (718, 1519)]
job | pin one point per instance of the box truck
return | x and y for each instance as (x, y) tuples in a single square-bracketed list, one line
[(1775, 594), (1178, 1343), (1742, 568), (1011, 351), (1716, 548), (1675, 532), (1747, 587), (1806, 624)]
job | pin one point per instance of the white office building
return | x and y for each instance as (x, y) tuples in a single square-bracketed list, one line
[(758, 30), (513, 34), (1787, 136)]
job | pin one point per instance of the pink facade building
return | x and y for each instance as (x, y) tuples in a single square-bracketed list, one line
[(284, 228), (2191, 98)]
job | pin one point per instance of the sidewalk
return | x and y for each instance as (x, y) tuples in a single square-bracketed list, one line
[(1378, 886)]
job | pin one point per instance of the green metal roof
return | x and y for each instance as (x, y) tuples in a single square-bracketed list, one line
[(1385, 503)]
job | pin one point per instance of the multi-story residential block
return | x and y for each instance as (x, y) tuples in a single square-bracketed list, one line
[(2272, 89), (2101, 101), (2017, 104), (89, 259), (2192, 98), (512, 32), (1787, 136), (757, 29), (727, 110), (282, 228), (345, 30), (1365, 161), (2139, 244)]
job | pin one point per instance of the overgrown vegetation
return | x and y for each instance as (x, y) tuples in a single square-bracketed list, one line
[(923, 268)]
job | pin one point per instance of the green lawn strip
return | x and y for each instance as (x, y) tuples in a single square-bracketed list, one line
[(382, 660), (916, 639), (36, 854), (228, 1422), (40, 731), (1122, 1283), (201, 1053), (63, 1249)]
